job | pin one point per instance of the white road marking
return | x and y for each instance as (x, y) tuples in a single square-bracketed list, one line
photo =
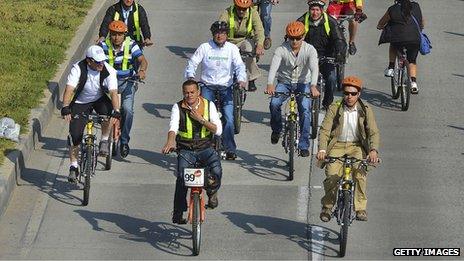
[(302, 203), (317, 243)]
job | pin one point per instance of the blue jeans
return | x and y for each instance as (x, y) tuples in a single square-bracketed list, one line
[(127, 91), (208, 159), (265, 8), (227, 110), (304, 111), (329, 73)]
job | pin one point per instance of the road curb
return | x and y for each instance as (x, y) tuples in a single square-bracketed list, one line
[(10, 171)]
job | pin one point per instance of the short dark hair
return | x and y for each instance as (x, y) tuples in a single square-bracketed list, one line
[(190, 82)]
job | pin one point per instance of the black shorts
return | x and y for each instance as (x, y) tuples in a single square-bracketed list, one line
[(102, 106), (412, 50)]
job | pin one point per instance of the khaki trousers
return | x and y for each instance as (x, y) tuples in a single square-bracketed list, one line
[(334, 171), (249, 45)]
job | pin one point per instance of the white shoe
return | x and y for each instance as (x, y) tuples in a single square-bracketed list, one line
[(414, 89), (389, 72)]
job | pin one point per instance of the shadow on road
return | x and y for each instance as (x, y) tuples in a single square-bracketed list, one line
[(156, 158), (257, 116), (262, 165), (456, 127), (183, 52), (315, 239), (457, 75), (458, 34), (161, 235), (162, 111), (380, 99)]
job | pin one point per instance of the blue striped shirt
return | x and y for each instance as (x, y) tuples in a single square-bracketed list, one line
[(134, 53)]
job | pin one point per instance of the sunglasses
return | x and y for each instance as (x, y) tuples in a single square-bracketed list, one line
[(350, 93), (295, 38), (97, 63)]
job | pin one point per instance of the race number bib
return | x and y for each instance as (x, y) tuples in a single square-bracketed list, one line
[(194, 177)]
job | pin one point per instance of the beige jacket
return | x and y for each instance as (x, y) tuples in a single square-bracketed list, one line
[(240, 29)]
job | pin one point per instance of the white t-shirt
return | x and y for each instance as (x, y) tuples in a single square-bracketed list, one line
[(92, 90)]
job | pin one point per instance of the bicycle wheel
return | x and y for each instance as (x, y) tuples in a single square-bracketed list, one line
[(405, 91), (346, 213), (196, 224), (340, 75), (315, 108), (291, 148), (237, 110), (88, 166), (109, 157), (395, 81)]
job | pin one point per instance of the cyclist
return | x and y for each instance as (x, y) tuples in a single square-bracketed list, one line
[(87, 83), (246, 31), (220, 60), (295, 63), (194, 144), (265, 8), (134, 16), (124, 55), (404, 33), (323, 33), (348, 7), (349, 128)]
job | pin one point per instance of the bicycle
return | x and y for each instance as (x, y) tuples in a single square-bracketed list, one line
[(400, 83), (89, 152), (291, 128), (316, 106), (344, 206)]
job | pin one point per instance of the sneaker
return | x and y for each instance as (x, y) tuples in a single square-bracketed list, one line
[(251, 86), (177, 218), (275, 137), (304, 153), (213, 200), (389, 72), (414, 89), (231, 155), (326, 214), (267, 43), (124, 150), (103, 148), (73, 174), (361, 215), (352, 49)]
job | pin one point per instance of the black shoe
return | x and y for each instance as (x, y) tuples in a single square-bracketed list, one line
[(124, 150), (231, 155), (275, 137), (213, 200), (177, 218), (251, 86), (352, 49), (304, 153), (73, 174)]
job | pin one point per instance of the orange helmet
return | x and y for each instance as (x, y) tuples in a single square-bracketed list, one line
[(295, 29), (243, 3), (352, 81), (117, 26)]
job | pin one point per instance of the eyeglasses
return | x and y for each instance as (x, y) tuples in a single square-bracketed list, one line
[(350, 93), (295, 38), (97, 63)]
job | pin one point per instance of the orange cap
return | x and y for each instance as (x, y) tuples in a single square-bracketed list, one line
[(243, 3), (117, 26), (295, 29), (352, 81)]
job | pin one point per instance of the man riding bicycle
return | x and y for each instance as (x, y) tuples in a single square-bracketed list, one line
[(85, 90), (247, 32), (349, 128), (323, 33), (295, 63), (220, 61), (124, 55), (194, 121)]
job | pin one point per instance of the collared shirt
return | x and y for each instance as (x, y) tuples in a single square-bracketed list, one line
[(350, 131), (125, 13), (213, 116), (134, 54), (92, 91), (218, 64), (291, 68)]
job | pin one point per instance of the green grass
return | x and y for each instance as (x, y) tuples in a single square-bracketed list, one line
[(34, 37)]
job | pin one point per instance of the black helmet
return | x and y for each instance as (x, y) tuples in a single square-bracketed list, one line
[(219, 26), (312, 3)]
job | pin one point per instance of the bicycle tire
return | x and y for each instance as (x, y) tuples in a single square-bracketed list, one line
[(346, 216), (315, 108), (405, 92), (237, 110), (291, 149), (88, 165), (109, 157), (395, 81), (196, 224), (340, 76)]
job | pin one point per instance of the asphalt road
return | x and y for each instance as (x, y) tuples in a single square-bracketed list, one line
[(415, 197)]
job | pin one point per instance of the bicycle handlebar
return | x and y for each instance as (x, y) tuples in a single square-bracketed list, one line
[(351, 160), (133, 78), (220, 87), (287, 94), (92, 116)]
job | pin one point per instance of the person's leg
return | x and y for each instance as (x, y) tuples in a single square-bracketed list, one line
[(276, 110), (253, 72), (213, 163), (349, 9), (333, 172), (180, 194), (412, 52), (304, 111), (207, 94), (330, 77), (104, 107), (76, 129), (127, 99), (265, 13), (334, 9), (228, 113)]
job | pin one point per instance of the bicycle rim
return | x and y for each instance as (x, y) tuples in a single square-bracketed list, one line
[(109, 157), (396, 80), (196, 224), (315, 117), (291, 149), (405, 92), (88, 165), (340, 76), (346, 214), (237, 111)]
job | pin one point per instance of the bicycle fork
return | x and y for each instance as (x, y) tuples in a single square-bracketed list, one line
[(345, 184)]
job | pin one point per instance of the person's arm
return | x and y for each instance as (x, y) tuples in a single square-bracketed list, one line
[(193, 63), (143, 66), (71, 84), (383, 21), (210, 125), (173, 129), (313, 65), (373, 131), (238, 65), (103, 32), (214, 119), (359, 4), (258, 30), (144, 25), (224, 16), (338, 39), (324, 132), (275, 64)]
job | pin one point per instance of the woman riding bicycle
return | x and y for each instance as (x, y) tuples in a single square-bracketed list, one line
[(402, 17)]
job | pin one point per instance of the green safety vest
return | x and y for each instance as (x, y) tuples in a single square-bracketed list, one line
[(138, 34), (326, 23), (126, 57), (188, 133), (232, 21)]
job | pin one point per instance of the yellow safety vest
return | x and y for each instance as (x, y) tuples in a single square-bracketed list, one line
[(188, 134), (126, 57), (326, 23), (138, 34), (232, 21)]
